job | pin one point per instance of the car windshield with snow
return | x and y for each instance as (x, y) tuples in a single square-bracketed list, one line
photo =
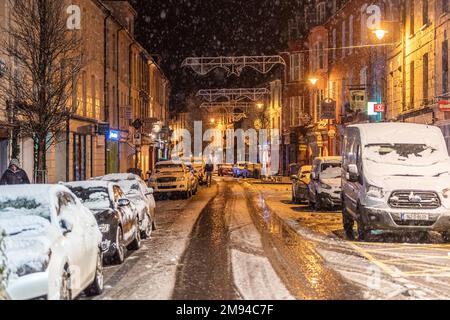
[(95, 198)]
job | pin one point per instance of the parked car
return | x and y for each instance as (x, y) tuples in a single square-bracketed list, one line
[(199, 171), (171, 177), (141, 196), (225, 169), (300, 182), (396, 178), (325, 185), (52, 243), (116, 216), (194, 179), (253, 170)]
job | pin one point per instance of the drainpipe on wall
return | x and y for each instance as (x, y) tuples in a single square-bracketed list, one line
[(117, 92), (130, 100), (105, 84)]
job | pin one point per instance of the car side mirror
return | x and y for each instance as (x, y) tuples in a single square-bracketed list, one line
[(294, 177), (124, 203), (66, 226), (149, 191), (352, 173)]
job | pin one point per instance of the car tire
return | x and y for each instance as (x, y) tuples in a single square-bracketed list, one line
[(119, 255), (318, 205), (348, 223), (147, 233), (65, 293), (96, 287), (136, 243), (445, 236), (363, 230)]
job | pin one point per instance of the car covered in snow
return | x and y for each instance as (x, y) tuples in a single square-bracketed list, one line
[(300, 182), (52, 243), (116, 216), (172, 177), (325, 186), (194, 178), (141, 196), (199, 171), (396, 178)]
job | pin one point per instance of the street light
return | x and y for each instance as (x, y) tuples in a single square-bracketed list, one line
[(213, 120), (380, 33), (313, 80), (260, 105)]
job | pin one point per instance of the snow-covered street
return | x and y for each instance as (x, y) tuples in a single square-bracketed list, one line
[(245, 240)]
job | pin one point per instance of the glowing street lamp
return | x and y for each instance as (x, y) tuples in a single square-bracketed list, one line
[(213, 120), (260, 105), (313, 80), (380, 33)]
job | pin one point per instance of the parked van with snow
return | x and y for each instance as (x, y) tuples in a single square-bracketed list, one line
[(396, 177)]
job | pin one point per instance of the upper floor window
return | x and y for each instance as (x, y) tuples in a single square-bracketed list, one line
[(296, 69), (321, 11), (425, 9), (411, 17), (445, 7)]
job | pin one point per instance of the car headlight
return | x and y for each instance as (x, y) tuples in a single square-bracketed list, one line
[(34, 266), (375, 192), (104, 228), (181, 179), (325, 186)]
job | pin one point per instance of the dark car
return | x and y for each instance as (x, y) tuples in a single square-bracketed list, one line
[(116, 216), (225, 170)]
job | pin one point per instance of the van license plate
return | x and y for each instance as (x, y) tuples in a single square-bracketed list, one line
[(415, 216)]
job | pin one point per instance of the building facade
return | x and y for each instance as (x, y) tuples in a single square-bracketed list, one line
[(113, 95)]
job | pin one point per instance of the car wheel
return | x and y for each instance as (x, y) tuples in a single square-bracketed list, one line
[(318, 205), (363, 230), (348, 223), (119, 255), (96, 287), (136, 244), (148, 230), (446, 236), (65, 292)]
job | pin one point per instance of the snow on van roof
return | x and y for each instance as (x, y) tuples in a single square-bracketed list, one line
[(397, 132)]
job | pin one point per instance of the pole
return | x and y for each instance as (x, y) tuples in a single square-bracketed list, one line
[(330, 153)]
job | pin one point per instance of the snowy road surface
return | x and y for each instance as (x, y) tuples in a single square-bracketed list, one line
[(244, 240)]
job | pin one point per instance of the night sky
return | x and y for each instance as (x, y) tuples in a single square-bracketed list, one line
[(177, 29)]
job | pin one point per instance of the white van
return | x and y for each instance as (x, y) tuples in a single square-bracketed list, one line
[(395, 177)]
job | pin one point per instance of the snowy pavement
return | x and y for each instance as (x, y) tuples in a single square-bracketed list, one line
[(244, 240), (387, 267)]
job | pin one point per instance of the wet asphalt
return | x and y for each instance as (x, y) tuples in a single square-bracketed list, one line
[(205, 271)]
